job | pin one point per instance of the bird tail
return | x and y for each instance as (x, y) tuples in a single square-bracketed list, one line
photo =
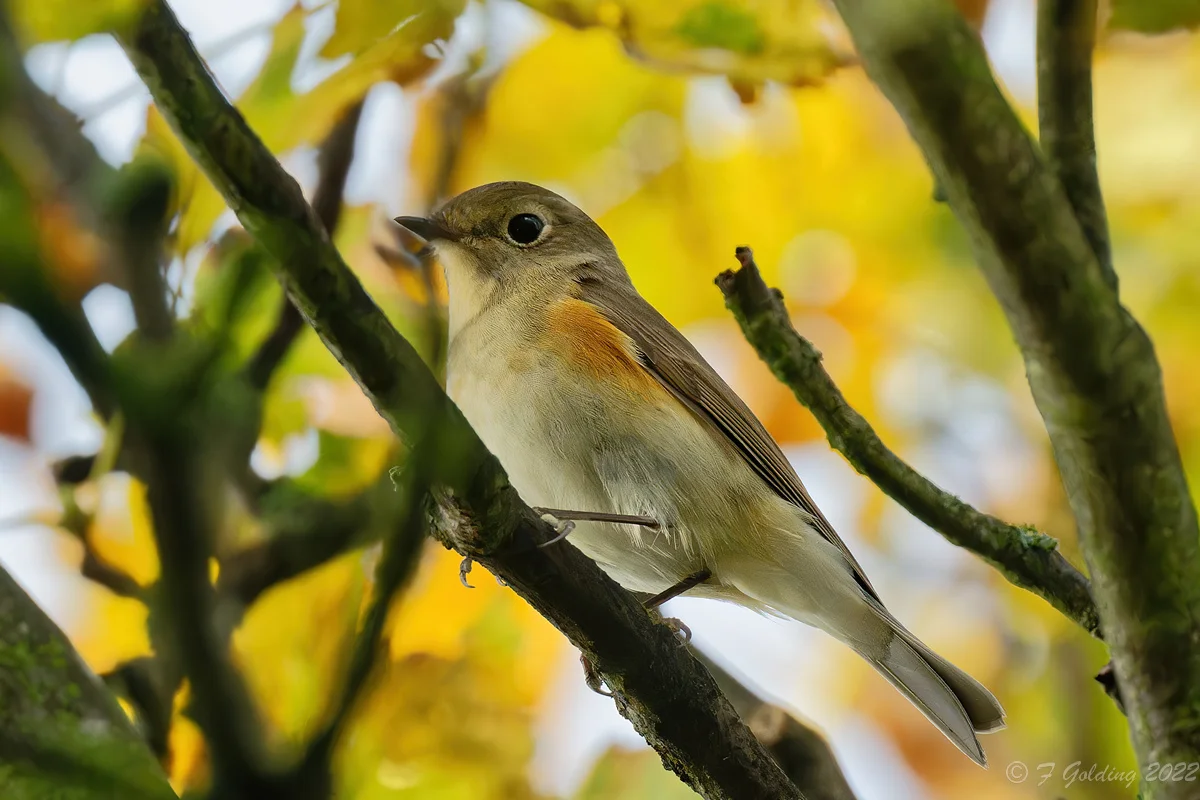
[(951, 699)]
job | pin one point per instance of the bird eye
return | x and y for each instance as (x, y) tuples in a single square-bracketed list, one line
[(525, 228)]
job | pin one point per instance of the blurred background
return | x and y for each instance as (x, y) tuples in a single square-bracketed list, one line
[(685, 128)]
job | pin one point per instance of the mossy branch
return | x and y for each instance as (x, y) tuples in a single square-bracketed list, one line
[(1091, 366), (670, 698), (62, 733), (1025, 557), (1066, 36)]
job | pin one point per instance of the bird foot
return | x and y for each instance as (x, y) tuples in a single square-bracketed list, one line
[(680, 629), (562, 526), (591, 676)]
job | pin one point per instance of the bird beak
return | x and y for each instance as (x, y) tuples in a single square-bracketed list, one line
[(428, 229)]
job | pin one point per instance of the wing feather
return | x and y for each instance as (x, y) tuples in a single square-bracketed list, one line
[(672, 360)]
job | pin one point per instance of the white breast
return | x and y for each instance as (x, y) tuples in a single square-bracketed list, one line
[(571, 444)]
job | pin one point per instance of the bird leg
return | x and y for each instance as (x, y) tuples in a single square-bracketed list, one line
[(670, 593), (564, 521), (690, 582)]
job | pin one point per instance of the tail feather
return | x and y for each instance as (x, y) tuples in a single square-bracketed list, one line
[(981, 706), (906, 669), (951, 699)]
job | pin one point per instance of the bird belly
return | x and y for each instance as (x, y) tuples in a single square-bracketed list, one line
[(570, 442)]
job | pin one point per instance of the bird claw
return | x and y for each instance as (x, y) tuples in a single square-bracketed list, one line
[(464, 569), (678, 627), (591, 676), (562, 527)]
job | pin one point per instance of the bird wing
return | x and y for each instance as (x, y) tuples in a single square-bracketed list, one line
[(667, 355)]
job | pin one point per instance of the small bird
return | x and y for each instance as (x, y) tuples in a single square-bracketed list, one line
[(594, 403)]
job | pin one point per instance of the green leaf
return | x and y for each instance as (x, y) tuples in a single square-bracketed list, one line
[(750, 41), (237, 296), (58, 20), (362, 23), (722, 26), (1154, 16)]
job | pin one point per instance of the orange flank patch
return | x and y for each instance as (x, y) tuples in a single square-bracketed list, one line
[(596, 347)]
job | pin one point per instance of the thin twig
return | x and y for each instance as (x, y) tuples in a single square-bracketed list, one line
[(94, 567), (1066, 36), (116, 580), (138, 211), (401, 552), (1027, 558)]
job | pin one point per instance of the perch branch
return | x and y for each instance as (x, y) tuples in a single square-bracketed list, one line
[(1026, 558), (1090, 365), (670, 698)]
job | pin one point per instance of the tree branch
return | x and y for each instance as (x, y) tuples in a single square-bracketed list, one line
[(1091, 367), (800, 751), (1025, 557), (305, 531), (670, 698), (1066, 35), (170, 420), (62, 733)]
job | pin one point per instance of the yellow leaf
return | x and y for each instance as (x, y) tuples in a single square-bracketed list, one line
[(596, 90), (436, 727), (285, 120), (187, 753), (113, 630), (121, 532), (293, 662), (55, 20), (749, 40)]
